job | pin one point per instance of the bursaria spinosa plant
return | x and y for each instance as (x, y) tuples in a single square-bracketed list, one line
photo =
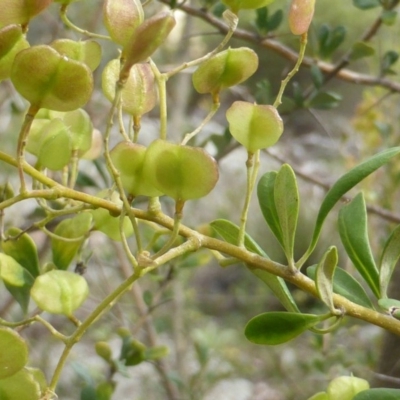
[(114, 179)]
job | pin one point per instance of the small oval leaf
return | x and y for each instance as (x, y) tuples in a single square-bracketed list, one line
[(324, 277), (345, 285), (75, 228), (274, 328), (353, 232), (230, 232), (287, 203), (389, 258), (378, 394)]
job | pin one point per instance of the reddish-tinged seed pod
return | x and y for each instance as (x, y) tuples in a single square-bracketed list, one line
[(300, 16), (21, 11), (146, 39)]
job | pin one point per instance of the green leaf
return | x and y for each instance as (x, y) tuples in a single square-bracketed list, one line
[(366, 4), (230, 232), (274, 328), (316, 76), (132, 351), (75, 229), (353, 230), (389, 258), (361, 50), (23, 250), (59, 292), (13, 353), (378, 394), (330, 39), (391, 306), (275, 20), (324, 277), (325, 100), (389, 17), (345, 285), (344, 184), (388, 59), (17, 280), (286, 197), (21, 385), (266, 199)]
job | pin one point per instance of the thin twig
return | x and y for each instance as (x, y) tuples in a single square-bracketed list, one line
[(286, 52)]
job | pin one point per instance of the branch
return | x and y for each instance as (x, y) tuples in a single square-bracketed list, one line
[(286, 52)]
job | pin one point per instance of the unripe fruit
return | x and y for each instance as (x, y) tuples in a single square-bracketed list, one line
[(58, 84), (139, 94), (13, 353), (346, 387), (121, 18), (59, 292), (104, 222), (300, 16), (129, 159), (50, 142), (227, 68), (181, 172), (21, 11), (86, 51), (146, 39), (103, 350), (12, 41), (254, 126)]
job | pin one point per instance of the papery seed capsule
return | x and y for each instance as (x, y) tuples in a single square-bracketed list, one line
[(146, 39), (300, 16)]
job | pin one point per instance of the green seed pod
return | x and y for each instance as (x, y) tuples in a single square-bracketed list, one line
[(80, 128), (96, 147), (300, 16), (129, 159), (22, 385), (227, 68), (254, 126), (146, 39), (236, 5), (58, 84), (346, 387), (13, 353), (103, 350), (104, 222), (21, 11), (50, 142), (181, 172), (86, 51), (59, 292), (12, 41), (139, 94), (121, 18)]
